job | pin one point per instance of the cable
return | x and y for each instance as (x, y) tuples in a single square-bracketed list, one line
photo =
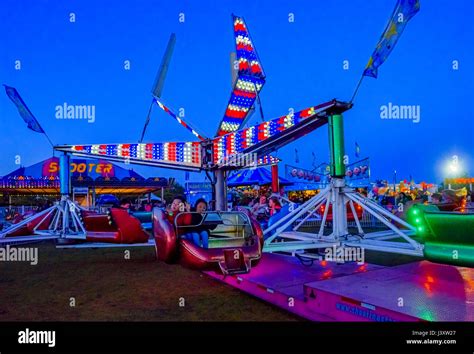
[(309, 261)]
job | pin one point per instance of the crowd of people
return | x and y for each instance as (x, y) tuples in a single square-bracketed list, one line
[(263, 207), (145, 206)]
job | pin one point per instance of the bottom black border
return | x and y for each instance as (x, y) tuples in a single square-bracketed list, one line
[(239, 337)]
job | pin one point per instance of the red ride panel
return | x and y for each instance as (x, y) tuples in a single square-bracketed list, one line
[(124, 229), (165, 237), (130, 228), (350, 215), (171, 248), (27, 229), (96, 222)]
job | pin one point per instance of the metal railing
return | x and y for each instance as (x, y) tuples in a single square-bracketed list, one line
[(20, 209), (366, 221)]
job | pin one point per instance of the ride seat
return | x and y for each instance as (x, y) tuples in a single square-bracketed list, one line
[(96, 222)]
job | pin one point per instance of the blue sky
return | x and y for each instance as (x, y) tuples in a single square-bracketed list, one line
[(82, 63)]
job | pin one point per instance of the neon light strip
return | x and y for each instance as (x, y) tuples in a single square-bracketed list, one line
[(249, 82), (248, 137), (185, 153)]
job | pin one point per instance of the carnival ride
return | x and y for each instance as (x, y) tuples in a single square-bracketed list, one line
[(67, 222), (214, 155), (235, 241), (217, 155)]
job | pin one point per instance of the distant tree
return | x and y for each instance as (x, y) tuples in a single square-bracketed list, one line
[(173, 189)]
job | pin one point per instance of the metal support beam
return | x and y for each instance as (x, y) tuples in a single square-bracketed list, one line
[(338, 196), (64, 174), (275, 179), (220, 190), (336, 145)]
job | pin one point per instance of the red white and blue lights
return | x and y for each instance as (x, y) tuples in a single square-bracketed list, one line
[(180, 121), (238, 142), (250, 80), (231, 141), (180, 153), (249, 64)]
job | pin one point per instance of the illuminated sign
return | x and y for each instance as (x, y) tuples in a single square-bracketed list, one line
[(358, 170), (297, 174), (90, 167)]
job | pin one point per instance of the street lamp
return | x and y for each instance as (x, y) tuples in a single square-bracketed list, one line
[(453, 168), (394, 180)]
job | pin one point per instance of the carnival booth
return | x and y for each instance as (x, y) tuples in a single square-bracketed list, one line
[(89, 179), (198, 190), (305, 183), (252, 182)]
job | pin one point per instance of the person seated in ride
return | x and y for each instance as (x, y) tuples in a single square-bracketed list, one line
[(200, 233), (125, 204), (274, 205), (180, 217), (177, 206), (260, 209)]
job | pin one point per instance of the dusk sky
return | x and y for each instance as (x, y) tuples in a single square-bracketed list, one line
[(83, 63)]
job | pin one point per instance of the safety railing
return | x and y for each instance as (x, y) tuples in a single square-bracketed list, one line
[(366, 221)]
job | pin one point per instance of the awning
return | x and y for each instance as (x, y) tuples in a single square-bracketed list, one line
[(257, 176)]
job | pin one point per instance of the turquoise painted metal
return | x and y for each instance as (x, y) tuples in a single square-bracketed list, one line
[(64, 176)]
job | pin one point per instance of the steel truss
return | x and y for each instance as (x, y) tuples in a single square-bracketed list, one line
[(338, 197), (62, 222)]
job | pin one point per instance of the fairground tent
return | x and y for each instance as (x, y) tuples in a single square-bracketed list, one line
[(101, 176), (259, 176)]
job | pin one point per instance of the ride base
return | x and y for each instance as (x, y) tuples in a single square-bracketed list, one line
[(327, 291)]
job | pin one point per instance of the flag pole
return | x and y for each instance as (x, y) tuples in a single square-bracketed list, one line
[(357, 88), (259, 102), (147, 120), (47, 137)]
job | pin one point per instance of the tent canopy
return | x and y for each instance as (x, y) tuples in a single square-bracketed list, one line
[(258, 176), (102, 175), (79, 168)]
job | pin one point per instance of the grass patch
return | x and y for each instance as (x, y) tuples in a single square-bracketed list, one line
[(108, 287)]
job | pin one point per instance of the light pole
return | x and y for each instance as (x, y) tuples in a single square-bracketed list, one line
[(394, 180)]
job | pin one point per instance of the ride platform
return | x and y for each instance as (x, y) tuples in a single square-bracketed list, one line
[(327, 291)]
